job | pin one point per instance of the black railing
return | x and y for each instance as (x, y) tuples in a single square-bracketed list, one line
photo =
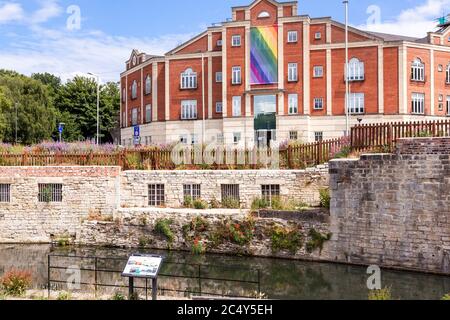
[(200, 275)]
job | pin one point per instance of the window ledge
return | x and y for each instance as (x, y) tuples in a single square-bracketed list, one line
[(185, 89)]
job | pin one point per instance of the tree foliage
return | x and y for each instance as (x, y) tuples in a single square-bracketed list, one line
[(43, 101)]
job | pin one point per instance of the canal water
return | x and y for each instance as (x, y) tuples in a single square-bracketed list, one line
[(278, 279)]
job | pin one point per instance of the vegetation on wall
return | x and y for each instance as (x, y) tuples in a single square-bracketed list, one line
[(317, 240), (15, 282), (383, 294), (325, 198), (286, 239), (162, 227)]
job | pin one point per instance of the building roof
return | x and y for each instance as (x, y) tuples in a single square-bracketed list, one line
[(393, 37)]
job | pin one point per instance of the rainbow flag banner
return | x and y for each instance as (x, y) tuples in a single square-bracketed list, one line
[(264, 55)]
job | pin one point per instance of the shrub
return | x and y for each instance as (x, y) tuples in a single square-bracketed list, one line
[(16, 282), (200, 204), (325, 198), (198, 247), (446, 297), (343, 153), (118, 296), (284, 239), (162, 227), (64, 296), (259, 203), (214, 204), (317, 241), (231, 203), (240, 233), (188, 202), (383, 294), (63, 241)]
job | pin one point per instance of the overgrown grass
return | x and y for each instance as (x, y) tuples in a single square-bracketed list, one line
[(325, 198), (16, 282), (286, 239), (231, 203), (162, 227), (317, 240), (382, 295)]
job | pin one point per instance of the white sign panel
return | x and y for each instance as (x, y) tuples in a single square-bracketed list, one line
[(142, 266)]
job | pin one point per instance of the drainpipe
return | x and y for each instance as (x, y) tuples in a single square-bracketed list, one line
[(203, 100)]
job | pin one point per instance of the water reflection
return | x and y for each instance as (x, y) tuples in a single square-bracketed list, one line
[(280, 279)]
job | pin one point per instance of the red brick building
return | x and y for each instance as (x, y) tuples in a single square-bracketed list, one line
[(270, 74)]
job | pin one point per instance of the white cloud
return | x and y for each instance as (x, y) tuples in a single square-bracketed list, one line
[(67, 54), (49, 9), (10, 12), (414, 22)]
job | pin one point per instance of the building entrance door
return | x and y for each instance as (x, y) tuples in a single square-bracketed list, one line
[(265, 109)]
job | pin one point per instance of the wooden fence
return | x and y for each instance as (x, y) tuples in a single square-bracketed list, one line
[(383, 137), (291, 157)]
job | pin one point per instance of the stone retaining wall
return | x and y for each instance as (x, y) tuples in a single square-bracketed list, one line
[(301, 185), (136, 228), (394, 210), (85, 190)]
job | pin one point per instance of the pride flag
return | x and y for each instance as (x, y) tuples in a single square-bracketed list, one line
[(264, 55)]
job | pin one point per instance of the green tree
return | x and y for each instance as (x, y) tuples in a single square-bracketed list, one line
[(77, 104), (5, 105), (36, 115)]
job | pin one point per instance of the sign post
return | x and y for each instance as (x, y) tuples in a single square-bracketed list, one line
[(61, 130), (144, 267), (137, 135)]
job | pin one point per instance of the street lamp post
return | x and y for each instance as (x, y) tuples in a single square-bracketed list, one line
[(98, 106), (347, 85), (17, 116)]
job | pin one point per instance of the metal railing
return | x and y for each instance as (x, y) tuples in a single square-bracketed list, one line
[(200, 276)]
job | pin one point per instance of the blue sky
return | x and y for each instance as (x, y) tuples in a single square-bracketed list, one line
[(34, 36)]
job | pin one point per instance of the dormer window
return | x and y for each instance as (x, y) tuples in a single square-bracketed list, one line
[(134, 61), (134, 90), (417, 70), (263, 15), (189, 79)]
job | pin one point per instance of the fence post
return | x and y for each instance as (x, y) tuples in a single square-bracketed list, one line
[(389, 139), (48, 275)]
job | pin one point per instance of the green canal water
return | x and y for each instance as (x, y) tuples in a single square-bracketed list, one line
[(279, 279)]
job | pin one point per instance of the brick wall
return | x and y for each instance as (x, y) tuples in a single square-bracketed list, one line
[(394, 210)]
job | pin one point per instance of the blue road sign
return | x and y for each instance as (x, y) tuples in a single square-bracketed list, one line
[(60, 128), (137, 131)]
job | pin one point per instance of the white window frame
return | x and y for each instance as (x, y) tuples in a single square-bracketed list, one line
[(189, 110), (447, 74), (237, 137), (318, 103), (292, 36), (418, 70), (219, 107), (292, 72), (188, 79), (237, 106), (236, 41), (148, 113), (134, 117), (356, 103), (236, 73), (293, 103), (318, 72), (134, 90), (356, 70), (219, 43), (418, 103), (293, 135), (318, 136), (219, 77), (148, 85), (318, 35), (448, 105)]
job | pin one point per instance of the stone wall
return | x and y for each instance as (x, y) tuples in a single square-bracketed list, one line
[(85, 190), (393, 210), (136, 228), (301, 185)]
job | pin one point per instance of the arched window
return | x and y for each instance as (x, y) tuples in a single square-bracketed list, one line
[(148, 85), (355, 70), (417, 70), (263, 14), (447, 77), (189, 79), (134, 90)]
